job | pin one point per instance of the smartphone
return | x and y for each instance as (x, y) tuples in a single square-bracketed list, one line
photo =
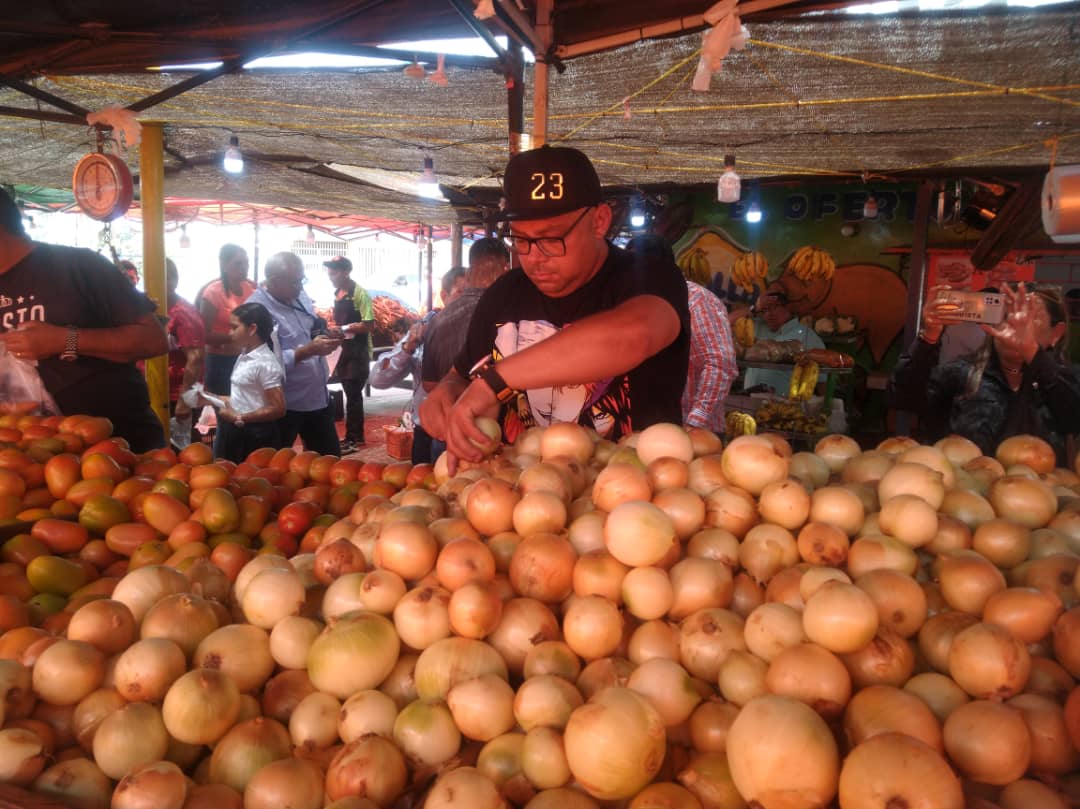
[(973, 307)]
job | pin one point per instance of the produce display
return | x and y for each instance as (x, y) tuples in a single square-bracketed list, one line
[(750, 271), (663, 622)]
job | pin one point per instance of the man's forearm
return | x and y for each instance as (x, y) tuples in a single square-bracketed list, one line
[(124, 343), (597, 347)]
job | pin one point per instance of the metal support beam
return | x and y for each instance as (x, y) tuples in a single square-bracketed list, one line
[(1018, 218), (152, 200), (515, 97), (44, 95), (43, 115), (541, 74)]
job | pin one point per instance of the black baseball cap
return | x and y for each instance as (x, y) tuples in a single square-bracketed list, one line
[(339, 263), (549, 181)]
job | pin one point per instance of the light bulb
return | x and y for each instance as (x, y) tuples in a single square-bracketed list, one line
[(637, 219), (428, 184), (870, 207), (310, 238), (753, 213), (185, 240), (233, 162), (729, 186)]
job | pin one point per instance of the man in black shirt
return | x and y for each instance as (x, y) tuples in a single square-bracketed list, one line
[(582, 332), (85, 324)]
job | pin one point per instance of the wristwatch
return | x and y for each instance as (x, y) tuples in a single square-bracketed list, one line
[(71, 345), (485, 370)]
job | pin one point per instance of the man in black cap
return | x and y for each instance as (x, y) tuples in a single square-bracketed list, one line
[(354, 316), (582, 332)]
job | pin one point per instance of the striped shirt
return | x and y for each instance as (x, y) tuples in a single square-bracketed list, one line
[(712, 367)]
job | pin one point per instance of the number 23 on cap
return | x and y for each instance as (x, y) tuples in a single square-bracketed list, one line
[(547, 186)]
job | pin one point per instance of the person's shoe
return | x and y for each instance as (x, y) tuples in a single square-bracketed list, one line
[(347, 447)]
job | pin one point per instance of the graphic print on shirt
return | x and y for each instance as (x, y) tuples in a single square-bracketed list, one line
[(602, 405), (18, 310)]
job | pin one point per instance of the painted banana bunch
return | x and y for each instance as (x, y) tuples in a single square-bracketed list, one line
[(749, 271), (811, 263)]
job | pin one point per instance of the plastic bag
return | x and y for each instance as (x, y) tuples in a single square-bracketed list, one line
[(180, 431), (21, 388)]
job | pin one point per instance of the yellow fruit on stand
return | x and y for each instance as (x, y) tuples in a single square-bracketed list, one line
[(749, 271), (738, 423), (803, 381), (695, 266), (744, 332)]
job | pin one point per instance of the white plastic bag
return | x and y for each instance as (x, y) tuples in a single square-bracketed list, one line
[(21, 388)]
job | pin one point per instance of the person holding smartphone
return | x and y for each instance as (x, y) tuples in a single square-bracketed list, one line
[(355, 318), (1019, 382)]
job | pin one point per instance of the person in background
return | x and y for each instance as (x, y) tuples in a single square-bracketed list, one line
[(215, 303), (713, 366), (354, 316), (84, 324), (777, 322), (451, 285), (252, 411), (489, 259), (1019, 383), (187, 346), (305, 342), (130, 271), (582, 332), (394, 367)]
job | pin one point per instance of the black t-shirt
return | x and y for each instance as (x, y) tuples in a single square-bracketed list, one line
[(513, 314), (68, 286), (355, 359)]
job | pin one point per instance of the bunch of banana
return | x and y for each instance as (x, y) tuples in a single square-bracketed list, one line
[(789, 416), (743, 332), (749, 271), (739, 424), (812, 263), (695, 266), (803, 381)]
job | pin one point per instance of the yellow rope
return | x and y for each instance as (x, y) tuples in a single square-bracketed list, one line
[(907, 71), (619, 105)]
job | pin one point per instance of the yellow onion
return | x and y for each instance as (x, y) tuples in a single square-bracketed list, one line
[(561, 798), (1049, 678), (707, 777), (967, 580), (463, 786), (22, 755), (706, 637), (668, 687), (1028, 792), (474, 610), (1029, 502), (545, 700), (291, 639), (646, 592), (218, 796), (271, 595), (868, 467), (741, 678), (586, 534), (604, 673), (988, 742), (883, 709), (709, 725), (988, 662), (1028, 450), (952, 535), (638, 534), (128, 738), (554, 657), (67, 671), (407, 548), (543, 758), (284, 691), (888, 659), (840, 617), (809, 469), (369, 767), (910, 519), (731, 509), (200, 706), (77, 782), (425, 732), (813, 675), (766, 738), (144, 672), (667, 473), (482, 707), (291, 782), (422, 617), (705, 474), (1052, 751), (366, 712), (937, 634), (500, 761), (665, 795), (893, 769), (875, 552), (821, 543), (143, 587), (1066, 635), (313, 725), (592, 627), (913, 478), (106, 624), (376, 591), (698, 583), (525, 622), (450, 661), (941, 694), (183, 618), (1028, 614), (615, 744), (837, 450), (684, 508), (838, 506), (490, 506), (765, 550), (771, 628), (90, 711), (158, 785), (1004, 542), (539, 512), (542, 567), (900, 601), (814, 578), (354, 653), (896, 444), (968, 507)]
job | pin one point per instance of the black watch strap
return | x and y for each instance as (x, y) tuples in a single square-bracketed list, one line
[(493, 379)]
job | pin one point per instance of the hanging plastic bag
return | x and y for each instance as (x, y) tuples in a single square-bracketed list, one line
[(180, 431), (21, 388)]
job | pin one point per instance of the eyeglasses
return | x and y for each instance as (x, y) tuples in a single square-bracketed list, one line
[(550, 246)]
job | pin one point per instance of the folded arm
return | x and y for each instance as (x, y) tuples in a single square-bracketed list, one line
[(134, 341)]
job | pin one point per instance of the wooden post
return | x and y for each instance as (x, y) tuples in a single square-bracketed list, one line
[(916, 279), (430, 253), (152, 199), (541, 74), (456, 257)]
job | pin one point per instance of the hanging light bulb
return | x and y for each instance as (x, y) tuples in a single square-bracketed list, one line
[(185, 240), (870, 207), (753, 213), (637, 213), (310, 238), (233, 162), (729, 186), (428, 184)]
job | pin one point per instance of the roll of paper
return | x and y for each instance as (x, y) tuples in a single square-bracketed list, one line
[(1061, 204)]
